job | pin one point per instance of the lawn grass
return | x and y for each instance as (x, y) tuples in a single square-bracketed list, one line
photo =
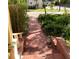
[(68, 43), (48, 10)]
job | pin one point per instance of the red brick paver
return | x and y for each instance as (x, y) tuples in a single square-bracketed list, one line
[(36, 44)]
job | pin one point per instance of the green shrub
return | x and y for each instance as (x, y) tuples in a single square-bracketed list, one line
[(56, 25), (18, 18)]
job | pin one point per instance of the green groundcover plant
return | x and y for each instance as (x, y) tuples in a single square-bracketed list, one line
[(55, 25)]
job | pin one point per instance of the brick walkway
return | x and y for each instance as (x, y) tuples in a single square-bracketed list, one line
[(36, 44)]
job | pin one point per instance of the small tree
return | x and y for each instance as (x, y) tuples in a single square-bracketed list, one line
[(59, 4), (36, 3), (51, 5), (44, 6)]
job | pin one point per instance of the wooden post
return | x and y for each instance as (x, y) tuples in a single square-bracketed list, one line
[(10, 37)]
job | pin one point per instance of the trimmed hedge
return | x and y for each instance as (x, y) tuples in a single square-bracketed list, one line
[(18, 17), (55, 25)]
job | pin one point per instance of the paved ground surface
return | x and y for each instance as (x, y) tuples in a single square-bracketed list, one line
[(36, 44), (57, 7), (36, 14)]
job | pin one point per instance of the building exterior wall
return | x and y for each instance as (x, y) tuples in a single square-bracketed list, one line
[(39, 2), (33, 3)]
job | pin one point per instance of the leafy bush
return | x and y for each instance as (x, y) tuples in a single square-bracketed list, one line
[(56, 25), (18, 17)]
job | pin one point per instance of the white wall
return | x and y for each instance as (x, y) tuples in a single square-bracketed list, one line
[(14, 43), (39, 2), (33, 2)]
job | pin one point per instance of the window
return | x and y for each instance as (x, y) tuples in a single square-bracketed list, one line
[(30, 2)]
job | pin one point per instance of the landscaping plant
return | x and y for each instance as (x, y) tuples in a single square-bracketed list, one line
[(55, 25)]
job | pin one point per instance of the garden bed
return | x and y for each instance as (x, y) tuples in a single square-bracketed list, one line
[(55, 25)]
